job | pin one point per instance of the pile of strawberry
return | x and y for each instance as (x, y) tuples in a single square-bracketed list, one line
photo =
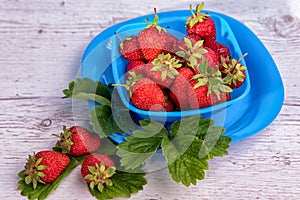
[(167, 74)]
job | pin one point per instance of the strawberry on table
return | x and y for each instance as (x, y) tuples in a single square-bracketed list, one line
[(152, 39), (45, 167), (129, 48), (201, 24), (77, 141), (97, 169)]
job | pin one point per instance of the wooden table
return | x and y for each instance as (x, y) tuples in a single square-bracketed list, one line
[(42, 43)]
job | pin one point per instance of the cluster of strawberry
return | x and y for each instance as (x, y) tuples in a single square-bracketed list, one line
[(46, 166), (166, 74)]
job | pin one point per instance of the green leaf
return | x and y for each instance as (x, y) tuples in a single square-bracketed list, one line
[(187, 168), (141, 146), (87, 89), (102, 120), (181, 54), (43, 190), (123, 185)]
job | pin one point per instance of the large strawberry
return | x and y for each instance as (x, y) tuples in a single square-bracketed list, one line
[(77, 141), (164, 69), (181, 88), (45, 167), (147, 95), (130, 49), (201, 24), (208, 87), (152, 39), (97, 169), (234, 72)]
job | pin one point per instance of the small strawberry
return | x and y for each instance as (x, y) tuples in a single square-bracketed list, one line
[(163, 70), (169, 106), (181, 87), (45, 167), (234, 72), (152, 39), (147, 95), (97, 169), (138, 67), (129, 48), (201, 24), (218, 48), (77, 141)]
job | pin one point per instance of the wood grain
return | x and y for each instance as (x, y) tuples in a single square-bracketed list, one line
[(41, 47)]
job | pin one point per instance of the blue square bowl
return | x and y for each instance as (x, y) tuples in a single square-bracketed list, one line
[(177, 28)]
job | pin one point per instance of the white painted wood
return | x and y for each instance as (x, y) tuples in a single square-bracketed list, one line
[(41, 47)]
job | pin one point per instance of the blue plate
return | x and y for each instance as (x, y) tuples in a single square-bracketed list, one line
[(252, 113)]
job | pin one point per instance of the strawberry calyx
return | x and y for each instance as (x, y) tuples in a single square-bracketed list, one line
[(99, 176), (197, 17), (65, 142), (33, 171), (166, 64), (192, 53), (212, 78), (131, 80), (155, 22), (234, 71)]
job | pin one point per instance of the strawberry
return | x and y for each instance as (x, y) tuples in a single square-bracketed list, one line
[(97, 169), (234, 72), (203, 97), (208, 87), (45, 167), (169, 106), (193, 37), (147, 95), (218, 48), (170, 43), (138, 67), (77, 141), (211, 58), (163, 70), (201, 24), (129, 48), (181, 87), (152, 39)]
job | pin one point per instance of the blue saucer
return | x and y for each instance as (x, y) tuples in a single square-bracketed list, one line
[(241, 119)]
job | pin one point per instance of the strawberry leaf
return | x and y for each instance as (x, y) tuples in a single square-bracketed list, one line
[(87, 89), (141, 146), (124, 184), (43, 190), (102, 120)]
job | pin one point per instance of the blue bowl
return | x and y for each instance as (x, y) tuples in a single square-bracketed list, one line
[(247, 113), (177, 28)]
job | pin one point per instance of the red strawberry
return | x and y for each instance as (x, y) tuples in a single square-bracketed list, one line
[(45, 167), (211, 58), (152, 39), (203, 98), (234, 72), (147, 95), (138, 67), (97, 169), (193, 37), (130, 49), (218, 48), (224, 96), (163, 70), (77, 141), (181, 87), (201, 24), (168, 106), (170, 43)]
